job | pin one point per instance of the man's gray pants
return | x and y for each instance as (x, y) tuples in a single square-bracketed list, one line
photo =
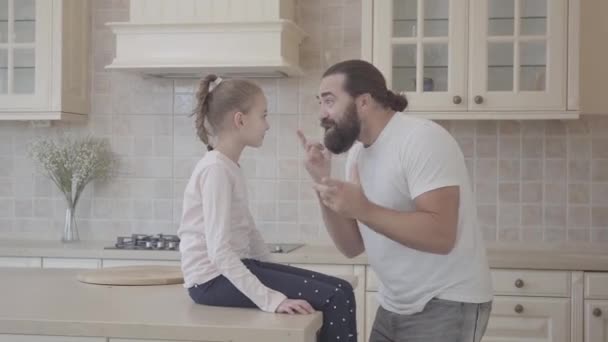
[(440, 321)]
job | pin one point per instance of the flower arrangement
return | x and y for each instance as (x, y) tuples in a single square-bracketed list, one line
[(72, 163)]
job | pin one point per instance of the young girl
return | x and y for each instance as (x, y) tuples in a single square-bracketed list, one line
[(222, 252)]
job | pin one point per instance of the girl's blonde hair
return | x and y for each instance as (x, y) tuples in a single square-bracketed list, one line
[(226, 97)]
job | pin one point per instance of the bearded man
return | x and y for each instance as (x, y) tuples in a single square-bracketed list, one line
[(407, 203)]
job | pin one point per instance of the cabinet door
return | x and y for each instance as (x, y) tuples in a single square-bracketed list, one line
[(371, 307), (527, 319), (25, 53), (420, 47), (596, 320), (518, 55)]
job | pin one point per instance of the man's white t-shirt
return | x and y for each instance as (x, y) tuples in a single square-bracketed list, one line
[(412, 156)]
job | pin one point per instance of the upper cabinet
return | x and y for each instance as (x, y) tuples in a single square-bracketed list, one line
[(478, 59), (44, 59)]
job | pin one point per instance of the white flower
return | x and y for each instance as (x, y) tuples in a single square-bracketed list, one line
[(72, 163)]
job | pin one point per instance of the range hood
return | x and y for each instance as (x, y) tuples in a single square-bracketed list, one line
[(191, 38)]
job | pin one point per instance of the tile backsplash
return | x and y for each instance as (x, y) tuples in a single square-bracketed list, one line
[(534, 180)]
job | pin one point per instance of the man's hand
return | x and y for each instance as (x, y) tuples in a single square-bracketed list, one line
[(317, 158), (345, 198)]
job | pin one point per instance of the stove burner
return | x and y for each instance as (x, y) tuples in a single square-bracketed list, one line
[(150, 242)]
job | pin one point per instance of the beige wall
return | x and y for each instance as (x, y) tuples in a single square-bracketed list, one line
[(535, 181)]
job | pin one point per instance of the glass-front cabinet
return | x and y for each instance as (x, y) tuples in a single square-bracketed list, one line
[(460, 59), (36, 41)]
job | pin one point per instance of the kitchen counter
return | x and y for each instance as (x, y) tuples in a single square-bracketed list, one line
[(558, 256), (54, 302)]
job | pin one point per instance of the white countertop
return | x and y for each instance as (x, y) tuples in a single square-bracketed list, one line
[(558, 256), (54, 302)]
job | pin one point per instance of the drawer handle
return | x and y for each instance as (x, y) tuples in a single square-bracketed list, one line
[(519, 283), (597, 312), (519, 308)]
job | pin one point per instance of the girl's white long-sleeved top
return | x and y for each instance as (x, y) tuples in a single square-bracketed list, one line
[(217, 230)]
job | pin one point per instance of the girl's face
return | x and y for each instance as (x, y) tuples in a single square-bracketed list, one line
[(252, 126)]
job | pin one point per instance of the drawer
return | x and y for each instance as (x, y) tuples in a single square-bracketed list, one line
[(42, 338), (70, 263), (128, 262), (332, 270), (20, 262), (133, 340), (531, 283), (513, 282), (596, 285)]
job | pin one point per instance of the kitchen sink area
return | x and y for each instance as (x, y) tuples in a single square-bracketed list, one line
[(283, 247)]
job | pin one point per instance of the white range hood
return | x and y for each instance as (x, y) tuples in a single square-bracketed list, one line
[(191, 38)]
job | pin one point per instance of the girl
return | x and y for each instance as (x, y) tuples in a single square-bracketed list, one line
[(222, 252)]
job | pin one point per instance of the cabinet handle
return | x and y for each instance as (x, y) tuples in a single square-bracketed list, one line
[(479, 99), (519, 283), (597, 312), (519, 308), (457, 100)]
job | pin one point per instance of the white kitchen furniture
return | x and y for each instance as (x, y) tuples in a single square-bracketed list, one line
[(44, 59), (478, 59), (553, 294)]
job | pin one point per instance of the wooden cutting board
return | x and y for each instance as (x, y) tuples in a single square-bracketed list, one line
[(133, 275)]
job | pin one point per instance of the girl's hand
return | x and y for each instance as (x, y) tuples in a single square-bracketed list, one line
[(293, 306)]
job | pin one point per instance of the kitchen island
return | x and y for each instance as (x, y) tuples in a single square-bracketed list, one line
[(52, 302)]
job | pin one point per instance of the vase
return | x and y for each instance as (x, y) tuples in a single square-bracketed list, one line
[(70, 231)]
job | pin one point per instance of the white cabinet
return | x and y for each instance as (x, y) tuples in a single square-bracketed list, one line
[(529, 319), (529, 305), (40, 338), (593, 69), (44, 59), (21, 262), (70, 263), (512, 318), (477, 59)]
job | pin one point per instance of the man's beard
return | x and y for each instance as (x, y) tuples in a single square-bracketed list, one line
[(340, 136)]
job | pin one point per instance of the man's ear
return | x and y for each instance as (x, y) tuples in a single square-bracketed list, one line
[(363, 101)]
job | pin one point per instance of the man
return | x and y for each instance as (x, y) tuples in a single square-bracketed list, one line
[(407, 203)]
